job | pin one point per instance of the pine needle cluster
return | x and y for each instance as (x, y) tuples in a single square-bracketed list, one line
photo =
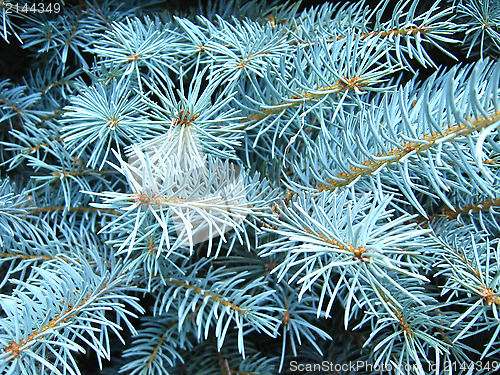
[(250, 187)]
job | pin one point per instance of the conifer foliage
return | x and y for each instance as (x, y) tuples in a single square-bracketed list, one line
[(250, 187)]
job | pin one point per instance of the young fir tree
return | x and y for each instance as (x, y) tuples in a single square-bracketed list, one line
[(250, 188)]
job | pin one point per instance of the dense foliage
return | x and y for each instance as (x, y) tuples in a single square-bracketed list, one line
[(250, 188)]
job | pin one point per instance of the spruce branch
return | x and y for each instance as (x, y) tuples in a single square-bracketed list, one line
[(104, 116), (13, 211), (405, 35), (136, 44), (56, 306), (191, 120), (351, 238), (482, 19), (220, 299), (284, 191), (15, 104), (437, 137), (159, 344), (477, 258)]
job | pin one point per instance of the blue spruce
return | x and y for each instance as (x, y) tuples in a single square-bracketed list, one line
[(249, 187)]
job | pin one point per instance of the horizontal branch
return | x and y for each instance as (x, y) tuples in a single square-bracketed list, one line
[(28, 257), (413, 31), (55, 114), (38, 147), (63, 173), (40, 210), (354, 83), (476, 207), (46, 258), (205, 293), (15, 108), (460, 211), (426, 143), (357, 252)]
